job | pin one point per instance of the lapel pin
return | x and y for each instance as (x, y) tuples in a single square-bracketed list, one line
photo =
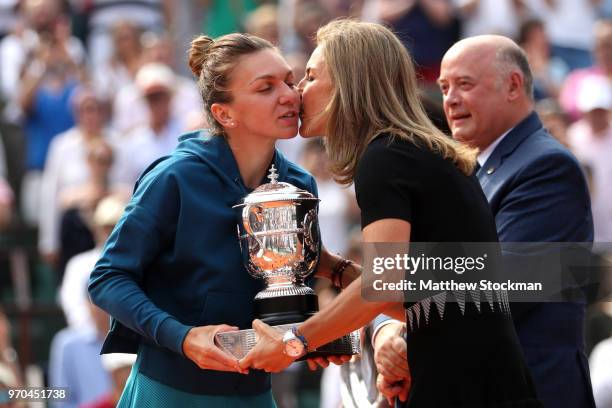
[(490, 170)]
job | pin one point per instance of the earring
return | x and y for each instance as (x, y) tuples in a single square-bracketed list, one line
[(232, 124)]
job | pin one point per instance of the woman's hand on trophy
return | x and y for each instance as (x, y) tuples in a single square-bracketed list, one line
[(200, 347), (269, 352)]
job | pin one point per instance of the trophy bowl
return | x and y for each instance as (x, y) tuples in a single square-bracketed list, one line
[(279, 241)]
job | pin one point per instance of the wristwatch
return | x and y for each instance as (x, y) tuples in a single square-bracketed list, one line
[(295, 344)]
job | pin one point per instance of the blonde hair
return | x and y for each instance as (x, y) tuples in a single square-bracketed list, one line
[(375, 92), (213, 61)]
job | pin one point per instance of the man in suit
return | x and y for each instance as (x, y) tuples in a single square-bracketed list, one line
[(537, 193)]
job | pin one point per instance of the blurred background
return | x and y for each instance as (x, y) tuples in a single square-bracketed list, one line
[(92, 91)]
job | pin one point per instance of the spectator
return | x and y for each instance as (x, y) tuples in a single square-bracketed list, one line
[(119, 366), (187, 102), (427, 28), (119, 70), (74, 362), (38, 20), (489, 17), (102, 16), (603, 66), (68, 168), (548, 72), (158, 137), (569, 25), (307, 18), (263, 22), (77, 203), (44, 97), (590, 139), (73, 300), (131, 109)]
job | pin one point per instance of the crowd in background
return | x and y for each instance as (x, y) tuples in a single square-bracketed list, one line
[(93, 91)]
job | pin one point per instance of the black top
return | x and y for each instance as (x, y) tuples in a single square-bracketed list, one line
[(469, 358), (397, 179)]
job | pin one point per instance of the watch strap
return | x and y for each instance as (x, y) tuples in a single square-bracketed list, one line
[(301, 337)]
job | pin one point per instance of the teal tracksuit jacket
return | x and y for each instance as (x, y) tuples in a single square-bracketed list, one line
[(173, 262)]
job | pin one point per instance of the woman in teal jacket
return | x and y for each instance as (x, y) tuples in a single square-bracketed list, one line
[(171, 274)]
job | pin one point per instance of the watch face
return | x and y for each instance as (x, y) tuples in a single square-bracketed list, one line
[(294, 348)]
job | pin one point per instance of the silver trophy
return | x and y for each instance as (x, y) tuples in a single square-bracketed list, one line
[(279, 238)]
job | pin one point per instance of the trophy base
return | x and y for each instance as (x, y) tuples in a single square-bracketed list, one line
[(283, 290), (282, 313), (286, 309), (239, 343)]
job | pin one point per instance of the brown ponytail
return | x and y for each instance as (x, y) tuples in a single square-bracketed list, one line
[(197, 53)]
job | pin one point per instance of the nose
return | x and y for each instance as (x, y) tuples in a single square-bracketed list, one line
[(451, 98), (300, 85), (289, 95)]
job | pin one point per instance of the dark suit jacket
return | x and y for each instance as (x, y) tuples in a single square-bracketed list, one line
[(538, 193)]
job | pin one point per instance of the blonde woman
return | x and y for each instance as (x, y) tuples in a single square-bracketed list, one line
[(412, 184)]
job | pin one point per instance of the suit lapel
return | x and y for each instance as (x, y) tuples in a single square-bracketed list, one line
[(516, 136)]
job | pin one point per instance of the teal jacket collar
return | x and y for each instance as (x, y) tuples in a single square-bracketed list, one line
[(216, 152)]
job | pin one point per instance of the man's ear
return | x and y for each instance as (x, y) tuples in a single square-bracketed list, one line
[(516, 86), (222, 114)]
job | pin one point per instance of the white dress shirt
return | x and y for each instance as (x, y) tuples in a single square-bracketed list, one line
[(484, 155), (66, 167)]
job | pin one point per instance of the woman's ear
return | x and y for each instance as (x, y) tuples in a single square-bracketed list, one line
[(222, 114)]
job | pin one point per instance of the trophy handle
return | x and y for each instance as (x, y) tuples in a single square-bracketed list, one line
[(310, 221), (256, 212)]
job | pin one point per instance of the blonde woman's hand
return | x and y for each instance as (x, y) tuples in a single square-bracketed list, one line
[(199, 346)]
